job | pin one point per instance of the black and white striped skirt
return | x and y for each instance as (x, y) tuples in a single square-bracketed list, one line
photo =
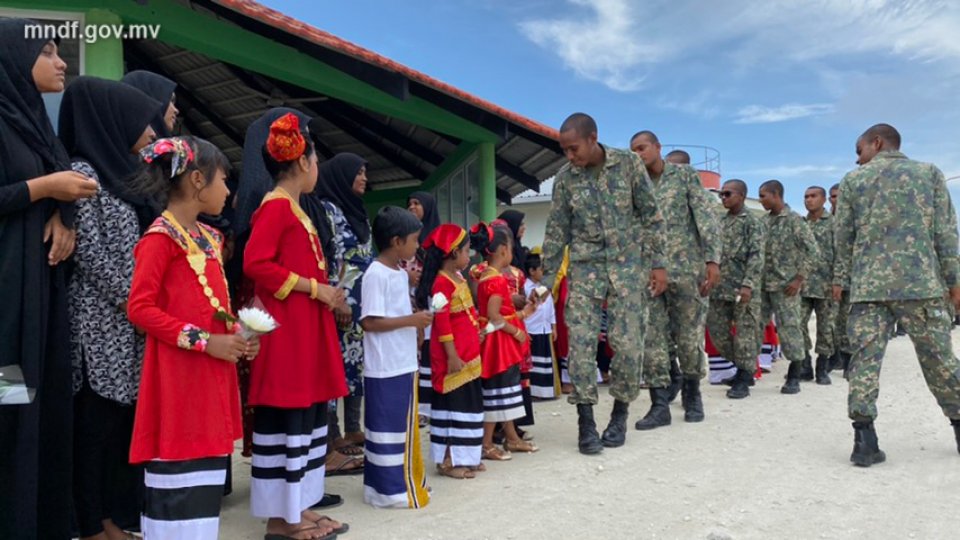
[(289, 454), (544, 376), (425, 386), (456, 423), (182, 498), (503, 397)]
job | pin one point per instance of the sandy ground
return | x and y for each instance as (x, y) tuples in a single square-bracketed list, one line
[(770, 466)]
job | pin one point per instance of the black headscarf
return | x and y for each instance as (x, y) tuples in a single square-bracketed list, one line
[(159, 88), (21, 105), (431, 218), (514, 219), (336, 185), (100, 121)]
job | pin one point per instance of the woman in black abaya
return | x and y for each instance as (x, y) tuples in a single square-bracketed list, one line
[(37, 189), (161, 89)]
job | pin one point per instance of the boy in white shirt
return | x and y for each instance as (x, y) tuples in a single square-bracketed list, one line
[(392, 447), (542, 328)]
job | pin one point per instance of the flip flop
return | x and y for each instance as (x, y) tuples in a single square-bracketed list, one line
[(340, 470), (344, 527), (278, 536)]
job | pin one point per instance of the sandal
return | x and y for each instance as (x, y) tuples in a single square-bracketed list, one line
[(460, 473), (342, 528), (478, 468), (494, 453), (279, 536), (349, 466), (520, 446)]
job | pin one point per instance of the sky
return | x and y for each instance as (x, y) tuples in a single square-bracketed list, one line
[(781, 88)]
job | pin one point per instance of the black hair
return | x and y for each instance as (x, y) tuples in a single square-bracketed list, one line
[(886, 132), (818, 188), (772, 186), (646, 133), (484, 245), (682, 154), (433, 259), (582, 123), (532, 263), (835, 186), (393, 222), (741, 185), (154, 178), (279, 169)]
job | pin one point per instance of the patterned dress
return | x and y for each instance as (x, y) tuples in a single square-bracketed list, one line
[(352, 260)]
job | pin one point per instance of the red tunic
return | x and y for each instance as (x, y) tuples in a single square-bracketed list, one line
[(562, 345), (500, 350), (457, 322), (189, 401), (515, 283), (300, 362)]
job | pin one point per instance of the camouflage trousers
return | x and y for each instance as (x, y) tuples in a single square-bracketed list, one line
[(928, 324), (787, 310), (626, 322), (826, 311), (736, 332), (841, 335), (675, 321)]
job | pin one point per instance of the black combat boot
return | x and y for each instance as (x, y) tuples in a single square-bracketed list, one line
[(659, 413), (676, 380), (792, 384), (845, 364), (741, 385), (616, 433), (866, 450), (806, 373), (692, 400), (823, 370), (588, 439), (835, 362), (956, 431)]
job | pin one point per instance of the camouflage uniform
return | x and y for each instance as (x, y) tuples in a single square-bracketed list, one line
[(692, 239), (817, 292), (604, 214), (789, 250), (896, 242), (735, 327)]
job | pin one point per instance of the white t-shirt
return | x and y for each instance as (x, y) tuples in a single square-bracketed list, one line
[(386, 293), (544, 317)]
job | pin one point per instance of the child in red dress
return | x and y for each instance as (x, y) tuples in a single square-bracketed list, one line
[(188, 408), (503, 348)]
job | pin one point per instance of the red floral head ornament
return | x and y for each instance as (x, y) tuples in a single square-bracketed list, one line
[(285, 142), (446, 238)]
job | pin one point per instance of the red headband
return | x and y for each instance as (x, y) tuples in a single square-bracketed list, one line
[(477, 228), (285, 142)]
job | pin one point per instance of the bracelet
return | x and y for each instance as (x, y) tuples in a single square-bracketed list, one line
[(313, 289)]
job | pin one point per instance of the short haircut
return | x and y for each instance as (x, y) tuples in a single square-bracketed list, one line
[(886, 132), (680, 155), (818, 188), (646, 133), (772, 186), (582, 123), (393, 222), (740, 185), (835, 187), (531, 263)]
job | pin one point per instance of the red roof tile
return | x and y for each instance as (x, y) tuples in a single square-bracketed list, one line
[(288, 24)]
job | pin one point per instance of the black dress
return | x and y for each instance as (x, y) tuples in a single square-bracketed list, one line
[(35, 439)]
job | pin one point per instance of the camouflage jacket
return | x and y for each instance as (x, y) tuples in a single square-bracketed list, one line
[(742, 261), (896, 231), (819, 283), (789, 249), (605, 220), (692, 232)]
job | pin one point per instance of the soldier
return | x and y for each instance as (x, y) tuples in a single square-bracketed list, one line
[(692, 251), (790, 254), (678, 157), (817, 295), (841, 340), (603, 206), (896, 242), (733, 317)]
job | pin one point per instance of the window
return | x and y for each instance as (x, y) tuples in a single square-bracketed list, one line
[(458, 195)]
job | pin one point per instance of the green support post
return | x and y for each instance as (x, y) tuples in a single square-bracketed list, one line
[(488, 181), (104, 57)]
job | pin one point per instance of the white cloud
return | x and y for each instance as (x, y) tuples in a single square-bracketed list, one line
[(759, 114)]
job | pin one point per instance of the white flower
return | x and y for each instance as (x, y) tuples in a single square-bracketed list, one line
[(438, 302), (490, 328), (255, 322), (541, 291)]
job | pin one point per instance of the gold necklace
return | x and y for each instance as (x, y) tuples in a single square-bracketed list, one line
[(197, 259)]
